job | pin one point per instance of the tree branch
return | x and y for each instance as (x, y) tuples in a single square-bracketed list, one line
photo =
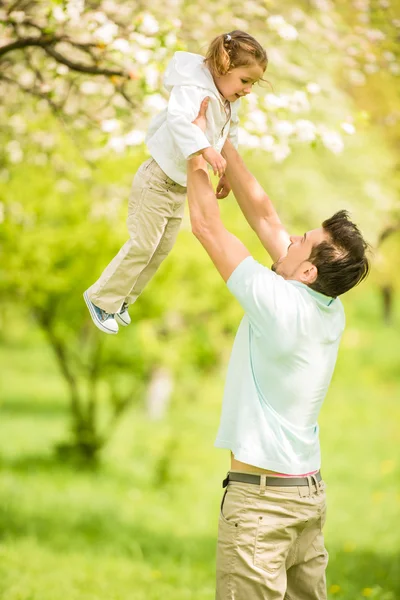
[(81, 68), (26, 42)]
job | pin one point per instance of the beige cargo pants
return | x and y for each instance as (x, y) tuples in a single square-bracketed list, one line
[(270, 543), (155, 211)]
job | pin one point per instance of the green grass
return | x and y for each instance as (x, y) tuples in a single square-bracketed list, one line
[(143, 527)]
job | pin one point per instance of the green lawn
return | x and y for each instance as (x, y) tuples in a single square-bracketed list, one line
[(141, 527)]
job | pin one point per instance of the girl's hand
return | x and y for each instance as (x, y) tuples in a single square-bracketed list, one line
[(214, 158), (223, 187)]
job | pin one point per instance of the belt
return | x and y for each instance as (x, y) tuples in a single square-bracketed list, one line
[(271, 481)]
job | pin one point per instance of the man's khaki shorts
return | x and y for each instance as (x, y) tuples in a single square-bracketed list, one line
[(270, 543)]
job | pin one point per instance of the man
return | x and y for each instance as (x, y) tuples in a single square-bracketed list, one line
[(270, 541)]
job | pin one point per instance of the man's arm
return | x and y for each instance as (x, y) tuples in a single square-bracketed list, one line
[(255, 204), (224, 249)]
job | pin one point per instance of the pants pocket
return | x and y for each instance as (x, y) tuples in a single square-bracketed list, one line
[(271, 545)]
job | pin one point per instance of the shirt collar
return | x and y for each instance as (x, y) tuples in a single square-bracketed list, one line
[(326, 300)]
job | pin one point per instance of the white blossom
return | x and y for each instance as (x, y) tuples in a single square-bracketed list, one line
[(99, 17), (274, 101), (14, 151), (299, 102), (348, 128), (117, 144), (284, 30), (332, 141), (323, 5), (170, 39), (106, 33), (283, 129), (305, 130), (149, 24), (155, 103), (135, 137), (122, 46), (281, 152), (247, 139), (142, 56), (151, 75), (144, 40), (110, 125), (267, 142), (18, 16), (26, 79), (394, 68), (62, 69), (257, 119), (313, 88), (288, 32), (75, 8), (18, 123), (275, 21), (89, 88), (44, 139), (58, 14)]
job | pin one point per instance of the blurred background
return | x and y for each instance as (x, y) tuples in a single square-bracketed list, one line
[(109, 482)]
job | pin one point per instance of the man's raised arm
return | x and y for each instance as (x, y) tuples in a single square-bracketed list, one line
[(255, 204)]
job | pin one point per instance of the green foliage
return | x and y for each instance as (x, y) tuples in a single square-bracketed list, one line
[(143, 526)]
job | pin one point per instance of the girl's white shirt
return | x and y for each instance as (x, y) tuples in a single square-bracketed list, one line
[(171, 137)]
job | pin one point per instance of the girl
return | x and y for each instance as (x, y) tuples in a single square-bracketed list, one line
[(234, 62)]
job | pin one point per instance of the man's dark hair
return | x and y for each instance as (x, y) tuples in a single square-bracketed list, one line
[(341, 262)]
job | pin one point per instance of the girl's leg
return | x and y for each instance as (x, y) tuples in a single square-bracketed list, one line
[(151, 205), (164, 247)]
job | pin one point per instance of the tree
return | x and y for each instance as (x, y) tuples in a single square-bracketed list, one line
[(80, 83)]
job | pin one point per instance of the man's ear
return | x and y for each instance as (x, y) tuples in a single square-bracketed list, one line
[(309, 273)]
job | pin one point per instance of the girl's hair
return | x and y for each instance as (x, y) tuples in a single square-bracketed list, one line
[(232, 50)]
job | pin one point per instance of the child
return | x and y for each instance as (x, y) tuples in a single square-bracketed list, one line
[(234, 62)]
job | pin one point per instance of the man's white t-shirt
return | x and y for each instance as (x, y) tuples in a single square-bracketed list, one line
[(279, 372)]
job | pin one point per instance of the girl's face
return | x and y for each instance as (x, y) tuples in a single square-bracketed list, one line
[(238, 82)]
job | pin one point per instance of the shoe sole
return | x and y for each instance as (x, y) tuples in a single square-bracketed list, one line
[(120, 320), (95, 320)]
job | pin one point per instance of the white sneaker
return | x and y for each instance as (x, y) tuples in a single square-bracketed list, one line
[(122, 316), (103, 320)]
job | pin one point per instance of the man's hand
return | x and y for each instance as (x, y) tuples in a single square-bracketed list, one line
[(201, 119), (223, 187), (214, 158)]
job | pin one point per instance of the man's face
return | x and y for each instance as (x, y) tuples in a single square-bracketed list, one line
[(238, 82), (295, 264)]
